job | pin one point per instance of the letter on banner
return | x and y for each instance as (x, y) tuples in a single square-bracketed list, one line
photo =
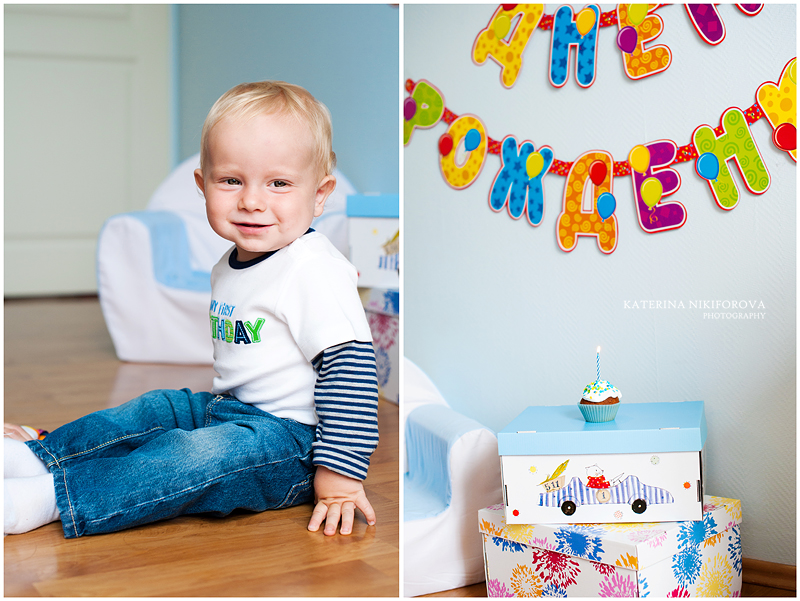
[(573, 221), (566, 35), (462, 130), (737, 143), (491, 42)]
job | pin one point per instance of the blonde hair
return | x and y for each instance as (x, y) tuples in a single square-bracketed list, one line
[(274, 97)]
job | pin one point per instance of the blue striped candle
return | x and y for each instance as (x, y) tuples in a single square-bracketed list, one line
[(598, 364)]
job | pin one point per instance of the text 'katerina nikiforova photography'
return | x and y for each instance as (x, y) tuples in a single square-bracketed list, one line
[(711, 309)]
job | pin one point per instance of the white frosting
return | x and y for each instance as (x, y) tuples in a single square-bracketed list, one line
[(600, 390)]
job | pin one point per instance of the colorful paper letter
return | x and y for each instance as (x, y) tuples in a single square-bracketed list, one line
[(513, 187), (779, 102), (736, 142), (644, 62), (566, 35), (707, 22), (665, 215), (461, 176), (430, 108), (573, 221), (507, 54)]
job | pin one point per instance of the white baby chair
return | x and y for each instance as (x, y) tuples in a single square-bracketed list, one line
[(452, 471), (153, 269)]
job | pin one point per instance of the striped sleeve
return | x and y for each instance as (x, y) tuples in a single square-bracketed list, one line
[(346, 400)]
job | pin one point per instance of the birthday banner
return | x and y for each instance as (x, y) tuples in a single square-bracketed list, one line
[(517, 185), (510, 29)]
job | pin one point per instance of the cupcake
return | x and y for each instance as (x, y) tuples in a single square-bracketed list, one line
[(600, 401)]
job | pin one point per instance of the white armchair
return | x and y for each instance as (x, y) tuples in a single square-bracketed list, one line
[(452, 471), (154, 268)]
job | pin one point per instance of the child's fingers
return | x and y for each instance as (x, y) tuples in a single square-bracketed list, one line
[(15, 432), (317, 516), (332, 521), (364, 505), (348, 515)]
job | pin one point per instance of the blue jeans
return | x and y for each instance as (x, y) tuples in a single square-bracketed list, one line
[(173, 452)]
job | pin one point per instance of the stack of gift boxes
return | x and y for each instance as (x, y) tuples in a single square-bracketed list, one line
[(613, 509), (374, 238)]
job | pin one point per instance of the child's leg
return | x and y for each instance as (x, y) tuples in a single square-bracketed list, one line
[(20, 462), (118, 431), (244, 458), (29, 503)]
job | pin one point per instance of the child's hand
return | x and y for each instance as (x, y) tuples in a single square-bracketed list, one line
[(16, 432), (337, 498)]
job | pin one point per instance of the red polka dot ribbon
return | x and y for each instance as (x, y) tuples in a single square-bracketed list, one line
[(621, 168)]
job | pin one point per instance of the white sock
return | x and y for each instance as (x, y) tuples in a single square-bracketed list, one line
[(20, 462), (29, 503)]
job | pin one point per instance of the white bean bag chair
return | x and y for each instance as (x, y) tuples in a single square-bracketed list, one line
[(154, 268), (452, 471)]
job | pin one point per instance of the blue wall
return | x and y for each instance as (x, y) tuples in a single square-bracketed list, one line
[(346, 55), (501, 318)]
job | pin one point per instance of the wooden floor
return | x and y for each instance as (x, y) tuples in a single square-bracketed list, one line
[(59, 365)]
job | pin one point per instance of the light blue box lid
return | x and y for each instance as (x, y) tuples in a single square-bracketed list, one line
[(373, 205), (638, 428)]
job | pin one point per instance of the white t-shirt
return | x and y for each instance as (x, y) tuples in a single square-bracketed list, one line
[(271, 318)]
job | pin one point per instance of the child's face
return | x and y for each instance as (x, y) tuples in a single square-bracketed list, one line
[(261, 183)]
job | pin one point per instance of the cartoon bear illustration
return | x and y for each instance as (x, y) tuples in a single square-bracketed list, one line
[(596, 477)]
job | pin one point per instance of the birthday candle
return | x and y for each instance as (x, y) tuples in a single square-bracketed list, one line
[(598, 363)]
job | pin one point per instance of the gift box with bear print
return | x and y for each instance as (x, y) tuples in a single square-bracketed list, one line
[(646, 465), (374, 238), (679, 559)]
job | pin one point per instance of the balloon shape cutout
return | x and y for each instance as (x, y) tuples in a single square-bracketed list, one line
[(534, 164), (472, 140), (627, 39), (606, 205), (509, 6), (793, 72), (785, 137), (639, 158), (445, 144), (585, 21), (707, 166), (597, 172), (637, 13), (651, 191), (409, 108), (502, 25)]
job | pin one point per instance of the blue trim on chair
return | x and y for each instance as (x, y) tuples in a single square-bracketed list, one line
[(431, 431), (169, 242)]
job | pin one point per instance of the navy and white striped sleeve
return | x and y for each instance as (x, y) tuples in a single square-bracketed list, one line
[(346, 399)]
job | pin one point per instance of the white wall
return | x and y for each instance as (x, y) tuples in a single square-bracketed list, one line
[(501, 318), (86, 134)]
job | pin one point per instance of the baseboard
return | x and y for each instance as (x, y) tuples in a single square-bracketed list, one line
[(766, 573)]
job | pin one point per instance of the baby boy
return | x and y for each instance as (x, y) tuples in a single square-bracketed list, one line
[(292, 414)]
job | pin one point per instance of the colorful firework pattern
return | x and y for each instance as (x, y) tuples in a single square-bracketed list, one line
[(701, 558), (496, 588), (525, 582), (556, 568), (618, 584), (715, 578)]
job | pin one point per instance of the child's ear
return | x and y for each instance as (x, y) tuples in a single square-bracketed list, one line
[(326, 186), (198, 179)]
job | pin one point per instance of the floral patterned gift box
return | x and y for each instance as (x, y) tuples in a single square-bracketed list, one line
[(664, 559), (383, 309)]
